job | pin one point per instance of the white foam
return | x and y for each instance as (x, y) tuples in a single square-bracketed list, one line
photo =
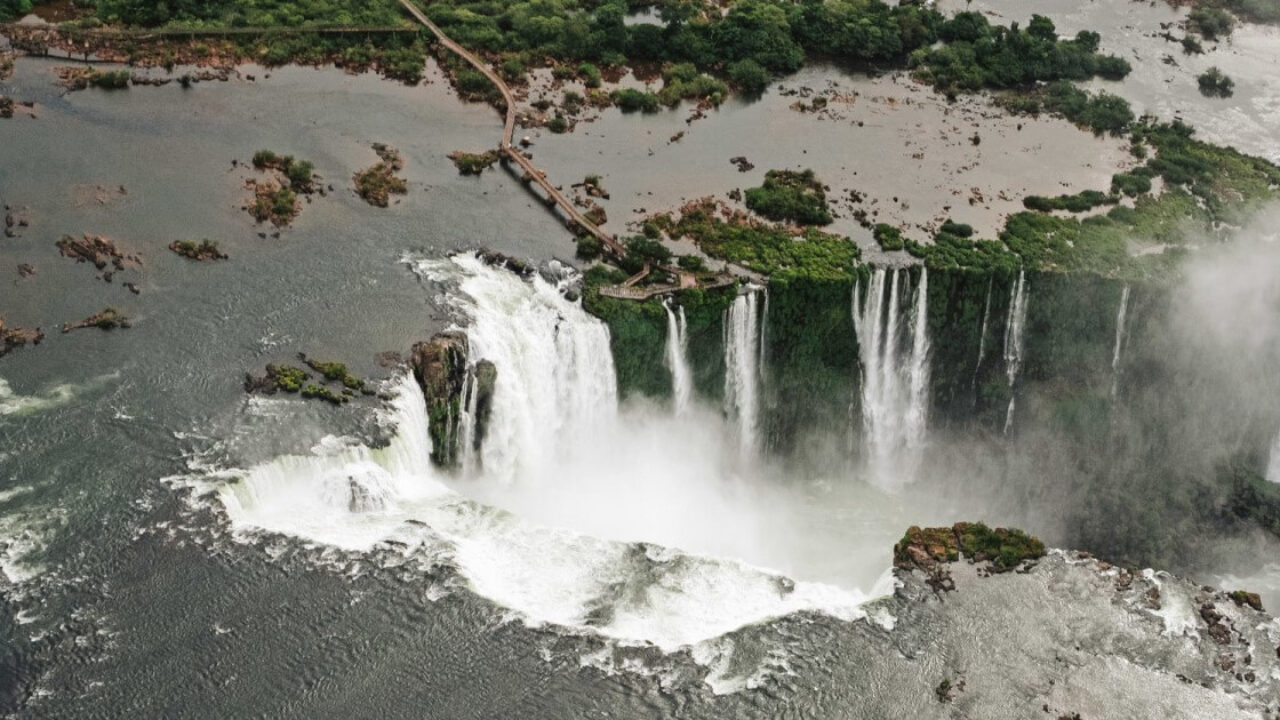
[(596, 499)]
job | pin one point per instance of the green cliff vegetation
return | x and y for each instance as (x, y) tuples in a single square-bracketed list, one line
[(790, 196), (637, 334)]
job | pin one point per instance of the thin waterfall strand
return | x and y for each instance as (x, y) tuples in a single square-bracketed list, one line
[(741, 380), (1015, 326), (1115, 355), (982, 338), (678, 360)]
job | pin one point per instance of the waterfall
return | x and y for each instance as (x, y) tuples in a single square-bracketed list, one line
[(894, 395), (1115, 354), (556, 385), (678, 359), (742, 365), (982, 339), (1015, 326), (467, 423)]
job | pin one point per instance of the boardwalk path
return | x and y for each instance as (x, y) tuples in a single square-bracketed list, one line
[(508, 130)]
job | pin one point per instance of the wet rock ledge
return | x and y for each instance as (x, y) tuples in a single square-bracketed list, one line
[(989, 623)]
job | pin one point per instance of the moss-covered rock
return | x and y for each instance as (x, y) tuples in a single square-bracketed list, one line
[(440, 367), (1004, 548)]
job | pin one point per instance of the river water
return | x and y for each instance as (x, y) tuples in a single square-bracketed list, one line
[(154, 560)]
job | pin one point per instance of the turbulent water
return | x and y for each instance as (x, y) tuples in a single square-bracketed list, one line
[(743, 359), (1014, 334), (578, 507), (895, 374), (677, 357)]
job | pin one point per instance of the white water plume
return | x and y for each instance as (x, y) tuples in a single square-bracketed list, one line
[(894, 391), (743, 358), (575, 516), (1015, 328), (678, 360)]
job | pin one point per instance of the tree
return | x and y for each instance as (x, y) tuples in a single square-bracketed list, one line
[(11, 9), (1215, 83), (749, 76)]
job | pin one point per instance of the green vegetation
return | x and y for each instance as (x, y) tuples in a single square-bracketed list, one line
[(473, 163), (1210, 22), (287, 377), (1078, 203), (1006, 548), (1101, 113), (1204, 185), (262, 13), (110, 79), (979, 55), (589, 247), (1259, 11), (789, 196), (637, 331), (299, 173), (275, 203), (335, 372), (203, 250), (312, 390), (684, 82), (631, 100), (765, 248), (889, 237), (1215, 83), (377, 183), (13, 9)]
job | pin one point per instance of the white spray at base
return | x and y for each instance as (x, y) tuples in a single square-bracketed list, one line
[(587, 540), (1014, 330), (743, 360), (678, 360), (895, 376)]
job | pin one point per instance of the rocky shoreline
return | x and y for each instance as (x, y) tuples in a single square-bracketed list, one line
[(1068, 635)]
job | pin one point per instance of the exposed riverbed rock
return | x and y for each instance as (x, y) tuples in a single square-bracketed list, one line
[(515, 265), (1064, 637), (12, 338), (203, 250), (109, 319), (99, 251)]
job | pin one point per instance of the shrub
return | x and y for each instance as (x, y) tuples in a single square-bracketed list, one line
[(790, 196), (631, 100), (1215, 83), (749, 76), (888, 237)]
